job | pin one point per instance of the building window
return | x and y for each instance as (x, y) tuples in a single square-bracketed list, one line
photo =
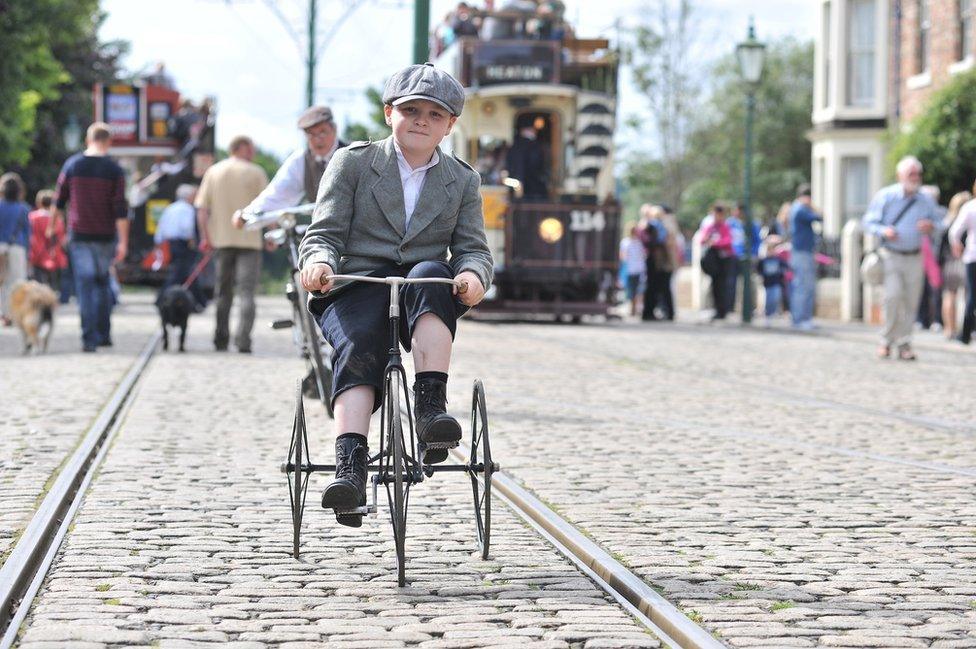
[(924, 30), (827, 49), (860, 53), (965, 29), (856, 181)]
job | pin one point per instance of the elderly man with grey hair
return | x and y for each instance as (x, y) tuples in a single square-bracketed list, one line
[(178, 228), (900, 215)]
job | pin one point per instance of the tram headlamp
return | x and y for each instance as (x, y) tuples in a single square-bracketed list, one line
[(551, 230)]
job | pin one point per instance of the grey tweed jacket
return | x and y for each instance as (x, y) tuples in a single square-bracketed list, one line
[(358, 223)]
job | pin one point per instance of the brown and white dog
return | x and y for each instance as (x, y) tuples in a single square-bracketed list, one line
[(32, 310)]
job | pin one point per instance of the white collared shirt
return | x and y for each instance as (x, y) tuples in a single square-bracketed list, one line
[(965, 222), (412, 180), (287, 187)]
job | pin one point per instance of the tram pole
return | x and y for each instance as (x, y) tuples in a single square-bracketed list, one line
[(421, 28), (310, 62)]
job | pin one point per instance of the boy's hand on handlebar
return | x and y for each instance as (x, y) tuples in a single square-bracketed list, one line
[(238, 219), (317, 277), (474, 292)]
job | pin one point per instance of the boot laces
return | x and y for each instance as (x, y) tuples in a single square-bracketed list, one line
[(431, 397), (348, 462)]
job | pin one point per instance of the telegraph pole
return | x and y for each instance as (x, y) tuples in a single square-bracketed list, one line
[(421, 28), (310, 62)]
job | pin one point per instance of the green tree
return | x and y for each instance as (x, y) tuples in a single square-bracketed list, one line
[(942, 137), (781, 153), (376, 128), (661, 56), (51, 57)]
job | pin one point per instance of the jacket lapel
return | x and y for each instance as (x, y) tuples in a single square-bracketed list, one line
[(387, 189), (433, 197)]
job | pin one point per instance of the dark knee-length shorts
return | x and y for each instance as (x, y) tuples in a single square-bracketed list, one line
[(357, 323)]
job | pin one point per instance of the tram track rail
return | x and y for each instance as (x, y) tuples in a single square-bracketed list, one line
[(26, 566), (633, 593)]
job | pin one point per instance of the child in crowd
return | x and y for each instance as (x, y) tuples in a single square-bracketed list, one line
[(772, 269), (395, 207), (632, 258), (47, 254)]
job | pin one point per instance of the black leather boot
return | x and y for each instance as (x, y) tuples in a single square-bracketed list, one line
[(348, 490), (436, 430)]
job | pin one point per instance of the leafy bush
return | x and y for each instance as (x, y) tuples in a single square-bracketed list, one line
[(943, 137)]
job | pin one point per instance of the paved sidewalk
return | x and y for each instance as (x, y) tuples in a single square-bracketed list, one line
[(785, 490), (50, 400), (185, 539)]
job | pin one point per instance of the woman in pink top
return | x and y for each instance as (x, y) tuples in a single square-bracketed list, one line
[(717, 256)]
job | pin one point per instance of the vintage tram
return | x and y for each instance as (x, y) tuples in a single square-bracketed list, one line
[(162, 141), (538, 125)]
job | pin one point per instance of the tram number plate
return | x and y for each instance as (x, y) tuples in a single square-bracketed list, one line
[(586, 221)]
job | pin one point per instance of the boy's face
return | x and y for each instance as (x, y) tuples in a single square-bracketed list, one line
[(419, 125)]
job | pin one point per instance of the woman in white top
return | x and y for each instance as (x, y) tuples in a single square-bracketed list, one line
[(965, 226)]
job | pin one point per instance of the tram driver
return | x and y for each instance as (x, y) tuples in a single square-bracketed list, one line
[(395, 207)]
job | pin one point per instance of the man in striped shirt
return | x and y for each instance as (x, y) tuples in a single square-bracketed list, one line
[(92, 188)]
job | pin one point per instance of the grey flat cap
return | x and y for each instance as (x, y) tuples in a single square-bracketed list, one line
[(315, 115), (425, 82)]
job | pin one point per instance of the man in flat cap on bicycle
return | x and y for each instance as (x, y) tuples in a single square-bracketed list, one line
[(395, 207)]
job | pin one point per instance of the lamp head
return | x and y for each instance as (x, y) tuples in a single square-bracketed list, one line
[(751, 55)]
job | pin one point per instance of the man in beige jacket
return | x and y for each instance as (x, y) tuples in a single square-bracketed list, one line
[(229, 186)]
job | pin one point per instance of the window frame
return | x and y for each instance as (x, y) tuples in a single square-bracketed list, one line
[(965, 15), (923, 41), (853, 55)]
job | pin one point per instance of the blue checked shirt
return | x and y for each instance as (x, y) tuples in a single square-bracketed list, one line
[(885, 207)]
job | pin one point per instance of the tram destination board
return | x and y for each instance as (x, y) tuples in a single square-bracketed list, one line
[(515, 62)]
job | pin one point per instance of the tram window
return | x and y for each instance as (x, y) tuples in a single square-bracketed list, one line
[(532, 155)]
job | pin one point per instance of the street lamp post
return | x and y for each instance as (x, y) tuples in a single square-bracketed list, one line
[(71, 134), (751, 55)]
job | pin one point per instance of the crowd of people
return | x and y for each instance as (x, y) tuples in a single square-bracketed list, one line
[(529, 19), (927, 252), (31, 247), (649, 255), (79, 230)]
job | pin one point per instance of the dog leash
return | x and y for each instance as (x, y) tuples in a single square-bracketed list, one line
[(199, 268)]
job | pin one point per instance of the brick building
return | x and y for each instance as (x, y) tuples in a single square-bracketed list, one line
[(876, 64)]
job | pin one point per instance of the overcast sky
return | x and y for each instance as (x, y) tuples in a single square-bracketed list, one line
[(239, 52)]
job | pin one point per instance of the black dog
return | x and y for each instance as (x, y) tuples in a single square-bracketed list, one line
[(175, 305)]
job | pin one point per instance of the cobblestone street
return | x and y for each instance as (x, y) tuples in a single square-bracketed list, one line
[(782, 490), (50, 400)]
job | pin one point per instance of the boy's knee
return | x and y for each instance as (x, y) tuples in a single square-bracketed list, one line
[(431, 269)]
